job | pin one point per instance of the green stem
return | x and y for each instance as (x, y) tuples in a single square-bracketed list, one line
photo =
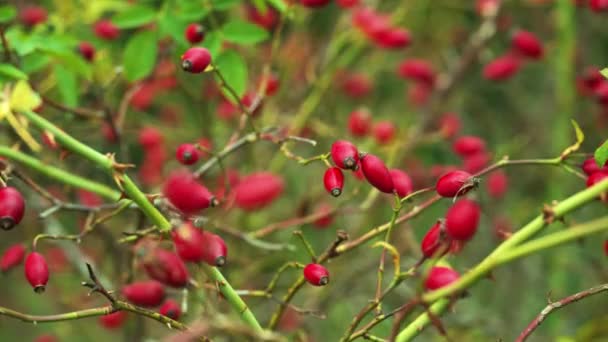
[(59, 174), (144, 204), (416, 327)]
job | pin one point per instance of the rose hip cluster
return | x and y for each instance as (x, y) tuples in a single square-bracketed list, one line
[(423, 74), (345, 156), (377, 28), (153, 145), (524, 46), (360, 125)]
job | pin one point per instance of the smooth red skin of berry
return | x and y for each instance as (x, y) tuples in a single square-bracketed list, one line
[(215, 252), (186, 194), (590, 166), (462, 219), (316, 275), (384, 132), (187, 154), (195, 33), (598, 5), (359, 123), (314, 3), (527, 44), (144, 95), (362, 17), (347, 3), (105, 29), (12, 257), (233, 178), (377, 174), (333, 180), (33, 15), (87, 51), (476, 162), (36, 271), (419, 93), (189, 242), (596, 178), (151, 170), (344, 154), (149, 293), (356, 85), (12, 207), (601, 92), (451, 183), (167, 268), (272, 84), (468, 145), (497, 184), (114, 320), (258, 190), (501, 68), (267, 20), (393, 38), (196, 60), (417, 70), (431, 242), (402, 182), (440, 276), (150, 137), (589, 80), (327, 219), (449, 125), (170, 309)]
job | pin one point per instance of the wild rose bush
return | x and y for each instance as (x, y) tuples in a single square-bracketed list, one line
[(307, 170)]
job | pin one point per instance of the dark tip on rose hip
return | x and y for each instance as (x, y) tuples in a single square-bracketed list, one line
[(336, 192), (39, 288), (323, 281), (214, 202), (350, 162), (220, 261), (7, 223), (186, 65)]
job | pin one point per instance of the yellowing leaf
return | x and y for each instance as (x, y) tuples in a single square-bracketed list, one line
[(23, 97)]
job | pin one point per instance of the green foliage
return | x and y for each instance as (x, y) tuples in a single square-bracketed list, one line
[(139, 56), (242, 32), (234, 69), (134, 16), (7, 13)]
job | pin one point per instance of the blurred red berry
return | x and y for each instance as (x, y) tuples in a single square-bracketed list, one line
[(501, 68), (114, 320), (33, 15), (376, 173), (195, 33), (36, 271), (105, 29), (316, 275), (86, 50), (384, 132), (356, 85), (12, 257), (333, 180), (440, 276), (171, 309), (185, 193), (462, 219), (187, 154), (402, 182), (149, 293), (12, 207), (527, 44), (417, 70), (359, 123), (468, 145), (598, 5), (454, 183), (258, 190), (497, 184)]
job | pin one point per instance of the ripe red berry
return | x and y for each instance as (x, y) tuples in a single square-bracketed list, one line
[(454, 183), (105, 29), (114, 320), (12, 257), (596, 177), (272, 84), (601, 92), (258, 190), (165, 267), (462, 219), (144, 96), (449, 125), (333, 181), (12, 207), (417, 70), (418, 93), (36, 271), (393, 38), (356, 85), (527, 44), (501, 68), (590, 166), (497, 184), (440, 276), (189, 242), (187, 154), (344, 154), (468, 145), (186, 194), (87, 51), (33, 15), (376, 173), (314, 3), (359, 123), (598, 5), (476, 162), (196, 60), (215, 251), (267, 20), (402, 182), (433, 240), (150, 137), (384, 132), (590, 79), (148, 293), (195, 33), (316, 274), (170, 309), (347, 3)]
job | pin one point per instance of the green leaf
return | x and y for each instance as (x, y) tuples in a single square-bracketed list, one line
[(213, 43), (12, 72), (222, 5), (601, 154), (139, 56), (70, 60), (67, 84), (604, 72), (135, 16), (232, 66), (170, 25), (7, 13), (279, 5), (192, 11), (242, 32), (34, 62)]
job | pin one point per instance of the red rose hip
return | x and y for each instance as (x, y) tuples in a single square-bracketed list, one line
[(114, 320), (417, 70), (86, 50), (215, 251), (12, 207), (258, 190), (12, 257), (376, 173), (170, 309), (384, 132), (187, 154), (359, 123), (454, 183), (527, 44), (148, 293), (166, 267), (402, 182), (462, 219), (189, 242), (196, 60), (468, 145), (186, 194), (316, 274), (440, 276), (195, 33), (333, 181), (433, 240), (105, 29), (344, 154), (36, 271), (501, 68)]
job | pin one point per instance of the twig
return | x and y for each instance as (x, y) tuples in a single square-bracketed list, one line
[(84, 112)]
